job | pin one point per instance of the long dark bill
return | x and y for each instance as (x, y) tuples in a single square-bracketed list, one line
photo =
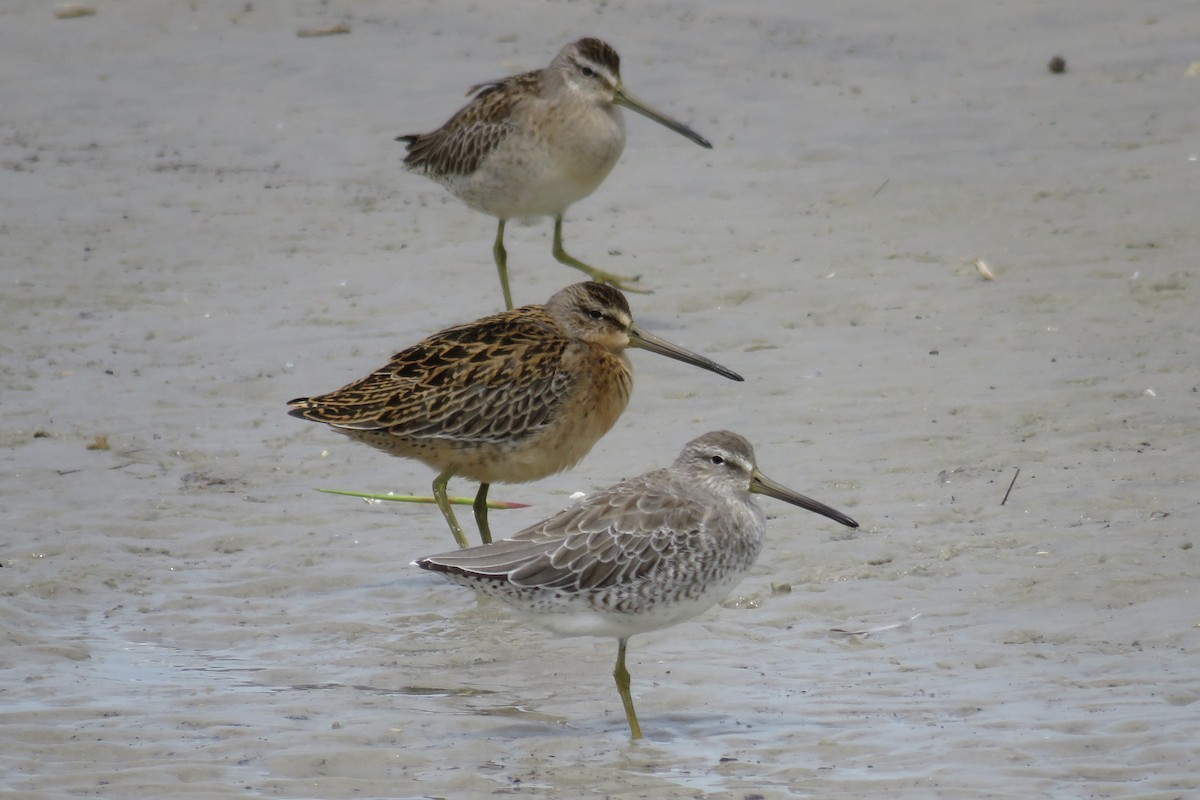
[(763, 485), (648, 341), (624, 98)]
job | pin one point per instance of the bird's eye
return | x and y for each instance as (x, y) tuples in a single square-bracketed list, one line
[(596, 314), (588, 72), (717, 460)]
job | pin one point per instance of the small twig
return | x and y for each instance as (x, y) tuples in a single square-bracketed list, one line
[(886, 181), (865, 632), (410, 498), (329, 30), (74, 10), (1010, 485)]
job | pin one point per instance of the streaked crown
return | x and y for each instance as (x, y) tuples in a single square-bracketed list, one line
[(590, 60), (718, 457), (594, 312), (599, 53)]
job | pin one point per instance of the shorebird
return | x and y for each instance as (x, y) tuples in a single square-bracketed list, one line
[(531, 145), (509, 398), (645, 554)]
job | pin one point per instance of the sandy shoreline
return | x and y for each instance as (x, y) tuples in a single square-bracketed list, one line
[(204, 215)]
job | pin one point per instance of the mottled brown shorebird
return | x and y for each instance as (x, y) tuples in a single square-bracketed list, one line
[(509, 398), (645, 554), (531, 145)]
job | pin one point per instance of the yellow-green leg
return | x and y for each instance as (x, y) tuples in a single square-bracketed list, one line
[(600, 275), (485, 533), (443, 502), (622, 677), (501, 256)]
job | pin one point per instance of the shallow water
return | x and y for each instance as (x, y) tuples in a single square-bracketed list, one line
[(204, 216)]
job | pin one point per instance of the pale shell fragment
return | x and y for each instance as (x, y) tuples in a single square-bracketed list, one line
[(984, 271)]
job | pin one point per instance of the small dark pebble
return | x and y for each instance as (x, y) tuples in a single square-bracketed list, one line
[(1057, 65)]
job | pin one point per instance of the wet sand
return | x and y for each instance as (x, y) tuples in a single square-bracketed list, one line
[(204, 215)]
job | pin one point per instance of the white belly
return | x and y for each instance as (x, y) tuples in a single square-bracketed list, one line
[(541, 173)]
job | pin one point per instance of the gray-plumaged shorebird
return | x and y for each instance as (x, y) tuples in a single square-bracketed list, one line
[(645, 554)]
